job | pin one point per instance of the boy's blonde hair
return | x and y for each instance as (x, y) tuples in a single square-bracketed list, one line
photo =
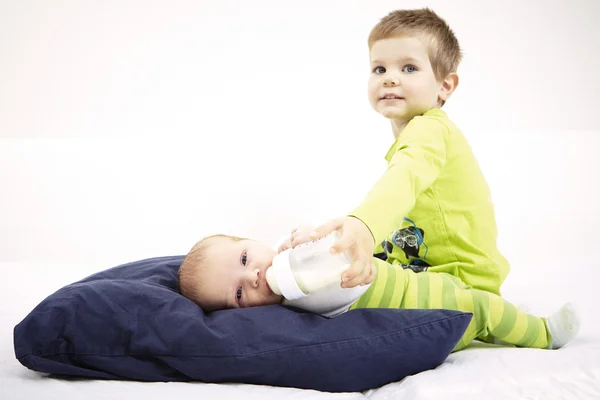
[(190, 271), (444, 51)]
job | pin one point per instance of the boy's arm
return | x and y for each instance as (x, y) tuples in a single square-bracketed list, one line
[(416, 161)]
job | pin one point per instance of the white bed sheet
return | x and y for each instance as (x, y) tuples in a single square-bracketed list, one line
[(480, 371)]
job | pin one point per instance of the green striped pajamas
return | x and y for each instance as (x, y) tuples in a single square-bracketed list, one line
[(493, 317)]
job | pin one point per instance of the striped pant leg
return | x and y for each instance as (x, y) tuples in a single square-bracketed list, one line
[(500, 319), (493, 317)]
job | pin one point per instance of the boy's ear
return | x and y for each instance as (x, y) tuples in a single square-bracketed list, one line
[(449, 85)]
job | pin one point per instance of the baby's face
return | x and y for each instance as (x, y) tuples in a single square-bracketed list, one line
[(235, 274)]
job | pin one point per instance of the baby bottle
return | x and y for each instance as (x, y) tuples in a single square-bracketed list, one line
[(307, 268)]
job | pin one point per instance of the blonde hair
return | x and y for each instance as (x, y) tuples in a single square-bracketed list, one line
[(444, 51), (190, 271)]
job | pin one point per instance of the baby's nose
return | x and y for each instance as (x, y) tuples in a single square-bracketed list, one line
[(253, 276)]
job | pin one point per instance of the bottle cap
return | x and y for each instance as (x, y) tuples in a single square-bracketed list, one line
[(280, 278)]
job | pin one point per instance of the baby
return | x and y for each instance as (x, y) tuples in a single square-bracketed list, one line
[(224, 272)]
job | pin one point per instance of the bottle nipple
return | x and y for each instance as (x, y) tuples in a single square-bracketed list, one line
[(280, 277), (272, 282)]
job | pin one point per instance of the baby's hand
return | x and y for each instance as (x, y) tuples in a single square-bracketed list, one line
[(299, 235)]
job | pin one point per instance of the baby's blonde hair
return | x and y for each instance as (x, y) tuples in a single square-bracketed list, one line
[(190, 271), (444, 51)]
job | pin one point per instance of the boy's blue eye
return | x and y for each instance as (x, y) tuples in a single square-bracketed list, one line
[(410, 68), (379, 70), (244, 258), (238, 293)]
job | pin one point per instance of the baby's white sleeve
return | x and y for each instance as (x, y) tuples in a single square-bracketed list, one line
[(330, 301)]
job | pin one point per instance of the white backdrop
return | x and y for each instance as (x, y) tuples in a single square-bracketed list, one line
[(130, 129)]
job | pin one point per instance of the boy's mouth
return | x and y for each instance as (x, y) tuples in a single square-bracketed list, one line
[(391, 96)]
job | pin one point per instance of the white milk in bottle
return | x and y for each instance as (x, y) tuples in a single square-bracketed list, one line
[(307, 268)]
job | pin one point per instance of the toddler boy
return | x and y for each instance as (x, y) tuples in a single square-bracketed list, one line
[(432, 209)]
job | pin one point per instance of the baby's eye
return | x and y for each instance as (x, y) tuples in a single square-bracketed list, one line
[(410, 68), (238, 294), (244, 258), (379, 70)]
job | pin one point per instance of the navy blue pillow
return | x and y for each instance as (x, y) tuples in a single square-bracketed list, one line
[(129, 322)]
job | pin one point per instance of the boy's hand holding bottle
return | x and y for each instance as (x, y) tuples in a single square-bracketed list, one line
[(355, 237)]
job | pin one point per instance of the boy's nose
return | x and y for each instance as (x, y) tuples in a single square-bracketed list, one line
[(391, 82)]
